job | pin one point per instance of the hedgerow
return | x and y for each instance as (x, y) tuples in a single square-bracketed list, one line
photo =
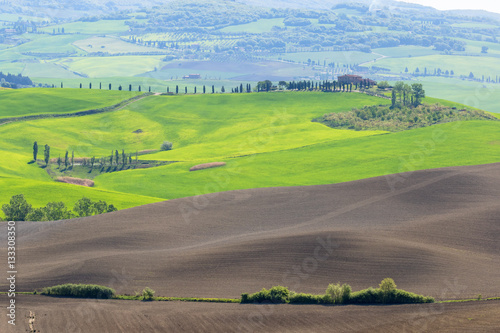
[(79, 291), (339, 294)]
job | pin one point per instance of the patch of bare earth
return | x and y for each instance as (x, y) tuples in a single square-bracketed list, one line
[(76, 181), (207, 166), (435, 232), (77, 315)]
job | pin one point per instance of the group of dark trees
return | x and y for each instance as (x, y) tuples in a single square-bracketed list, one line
[(404, 95), (18, 209), (14, 81), (115, 159)]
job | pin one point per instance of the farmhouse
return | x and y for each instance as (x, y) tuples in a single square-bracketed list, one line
[(348, 78), (192, 76)]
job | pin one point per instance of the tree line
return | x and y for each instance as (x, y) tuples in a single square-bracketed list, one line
[(115, 158), (18, 209)]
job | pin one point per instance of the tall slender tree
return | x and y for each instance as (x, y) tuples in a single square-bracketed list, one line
[(35, 150), (66, 160), (72, 158), (46, 154)]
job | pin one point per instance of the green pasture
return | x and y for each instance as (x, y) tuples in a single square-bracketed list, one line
[(23, 102), (111, 45), (257, 27), (342, 57), (452, 144), (101, 27), (461, 65), (113, 66), (406, 51), (477, 94), (266, 139)]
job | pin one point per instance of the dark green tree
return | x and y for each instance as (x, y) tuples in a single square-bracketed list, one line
[(92, 162), (46, 154), (90, 85), (59, 161), (117, 157), (72, 158), (176, 89), (213, 89), (84, 207), (35, 150), (129, 87), (418, 93), (17, 209), (66, 160), (110, 86), (222, 89), (204, 89), (55, 211), (80, 86), (124, 158)]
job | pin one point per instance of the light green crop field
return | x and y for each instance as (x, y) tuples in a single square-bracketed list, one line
[(461, 65), (23, 102), (477, 94), (475, 25), (342, 57), (47, 69), (111, 45), (406, 51), (90, 28), (259, 26), (266, 139), (113, 66)]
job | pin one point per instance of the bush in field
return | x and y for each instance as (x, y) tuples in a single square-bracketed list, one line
[(148, 294), (277, 294), (166, 145), (339, 294), (17, 209), (80, 291)]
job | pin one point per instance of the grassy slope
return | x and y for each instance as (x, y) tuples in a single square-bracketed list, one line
[(461, 65), (24, 102), (266, 140), (468, 143)]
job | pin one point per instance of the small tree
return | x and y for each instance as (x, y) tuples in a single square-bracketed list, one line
[(166, 145), (117, 157), (59, 161), (35, 150), (84, 207), (72, 158), (92, 162), (66, 160), (124, 158), (17, 209), (148, 294)]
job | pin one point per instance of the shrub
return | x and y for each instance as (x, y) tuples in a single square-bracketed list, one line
[(148, 294), (276, 294), (79, 291), (339, 294), (166, 145), (300, 298)]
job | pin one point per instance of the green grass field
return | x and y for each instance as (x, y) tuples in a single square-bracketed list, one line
[(406, 51), (266, 139), (259, 26), (23, 102), (461, 65), (89, 28), (338, 57), (113, 66)]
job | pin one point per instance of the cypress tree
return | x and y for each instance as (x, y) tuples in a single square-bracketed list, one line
[(66, 160), (46, 154), (35, 150)]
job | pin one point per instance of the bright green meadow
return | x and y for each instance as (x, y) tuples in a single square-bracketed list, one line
[(266, 139)]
